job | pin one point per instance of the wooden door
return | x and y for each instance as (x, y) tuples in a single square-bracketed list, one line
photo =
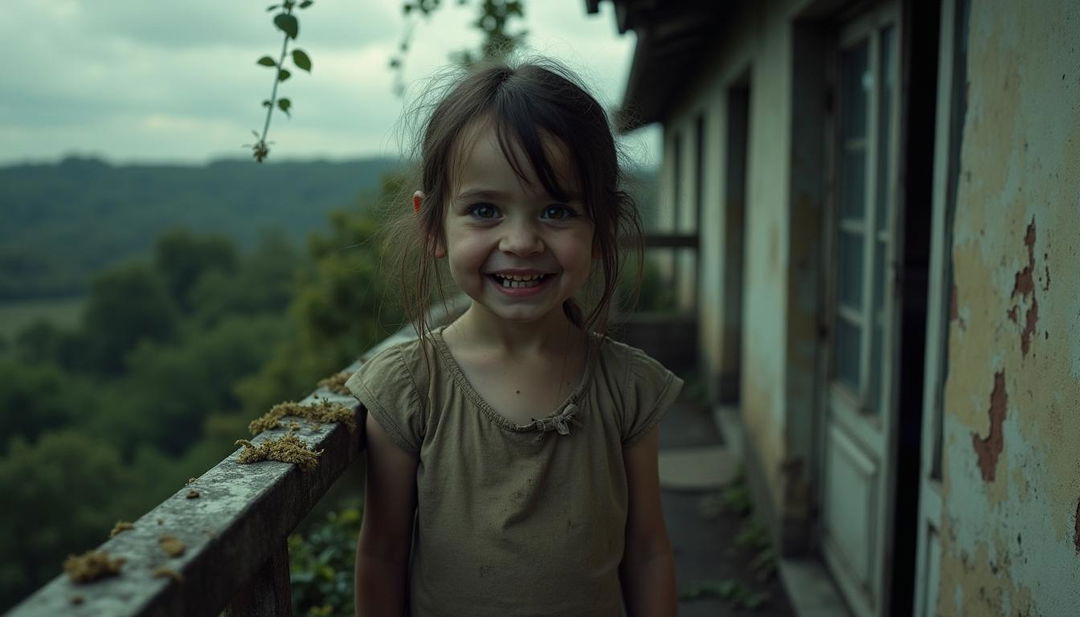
[(860, 411)]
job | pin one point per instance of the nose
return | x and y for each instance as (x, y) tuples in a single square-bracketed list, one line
[(521, 238)]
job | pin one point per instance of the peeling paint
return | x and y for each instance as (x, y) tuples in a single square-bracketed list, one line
[(1032, 316), (989, 448), (1024, 286), (1025, 282)]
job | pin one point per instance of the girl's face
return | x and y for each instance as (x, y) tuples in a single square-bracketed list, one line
[(511, 246)]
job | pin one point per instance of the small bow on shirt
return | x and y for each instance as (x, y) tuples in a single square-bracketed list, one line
[(559, 423)]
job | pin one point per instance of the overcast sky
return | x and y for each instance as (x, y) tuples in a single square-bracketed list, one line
[(176, 81)]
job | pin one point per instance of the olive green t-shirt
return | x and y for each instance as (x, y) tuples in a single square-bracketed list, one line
[(515, 519)]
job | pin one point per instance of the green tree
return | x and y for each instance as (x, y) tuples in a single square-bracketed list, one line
[(39, 341), (36, 398), (171, 389), (183, 257), (263, 282), (343, 305), (69, 491), (127, 304)]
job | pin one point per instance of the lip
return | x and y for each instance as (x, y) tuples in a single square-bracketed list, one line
[(517, 271)]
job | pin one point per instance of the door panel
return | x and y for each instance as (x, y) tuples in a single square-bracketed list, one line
[(852, 483), (860, 409)]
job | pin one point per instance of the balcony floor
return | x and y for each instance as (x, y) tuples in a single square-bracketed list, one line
[(695, 466)]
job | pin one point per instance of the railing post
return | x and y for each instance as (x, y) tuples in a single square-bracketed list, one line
[(268, 593)]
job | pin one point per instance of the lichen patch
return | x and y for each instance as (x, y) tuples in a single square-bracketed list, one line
[(336, 382), (322, 411), (120, 527), (172, 545), (287, 449), (91, 566), (169, 573)]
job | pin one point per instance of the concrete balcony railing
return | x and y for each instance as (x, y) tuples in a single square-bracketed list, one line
[(234, 533)]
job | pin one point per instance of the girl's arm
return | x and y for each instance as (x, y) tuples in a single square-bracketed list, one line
[(382, 553), (648, 566)]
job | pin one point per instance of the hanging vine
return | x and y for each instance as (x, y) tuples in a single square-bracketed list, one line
[(289, 25), (494, 20)]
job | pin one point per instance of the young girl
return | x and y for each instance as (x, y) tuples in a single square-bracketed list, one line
[(512, 455)]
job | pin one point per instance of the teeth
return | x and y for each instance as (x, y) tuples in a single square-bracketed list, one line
[(517, 280)]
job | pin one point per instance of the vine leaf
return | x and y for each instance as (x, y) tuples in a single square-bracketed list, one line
[(283, 75), (287, 24), (301, 60), (284, 105), (272, 7), (306, 3), (266, 61)]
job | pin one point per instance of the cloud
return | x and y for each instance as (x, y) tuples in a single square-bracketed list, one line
[(132, 79)]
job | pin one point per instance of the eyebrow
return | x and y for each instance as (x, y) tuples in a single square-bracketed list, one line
[(482, 194), (496, 195)]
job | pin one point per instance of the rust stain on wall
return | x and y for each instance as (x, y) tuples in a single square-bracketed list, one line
[(1014, 315), (1024, 286), (989, 448), (1025, 282)]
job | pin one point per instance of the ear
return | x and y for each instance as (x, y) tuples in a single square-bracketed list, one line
[(418, 202)]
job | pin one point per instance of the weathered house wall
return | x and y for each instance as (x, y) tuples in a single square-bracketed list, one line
[(1005, 525), (1011, 504), (757, 40)]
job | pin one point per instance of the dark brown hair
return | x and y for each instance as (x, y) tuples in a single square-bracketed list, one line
[(525, 104)]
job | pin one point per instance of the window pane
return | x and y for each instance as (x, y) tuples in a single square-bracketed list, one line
[(849, 269), (853, 183), (848, 341), (855, 83), (888, 71)]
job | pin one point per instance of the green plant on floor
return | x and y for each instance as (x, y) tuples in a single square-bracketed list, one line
[(730, 589), (321, 566), (736, 498), (751, 536)]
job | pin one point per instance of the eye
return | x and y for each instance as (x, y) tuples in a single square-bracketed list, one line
[(558, 212), (483, 211)]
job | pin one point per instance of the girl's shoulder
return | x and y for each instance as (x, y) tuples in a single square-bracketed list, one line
[(627, 361), (640, 388), (389, 386), (392, 363)]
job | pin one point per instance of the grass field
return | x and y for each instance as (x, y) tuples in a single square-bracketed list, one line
[(17, 314)]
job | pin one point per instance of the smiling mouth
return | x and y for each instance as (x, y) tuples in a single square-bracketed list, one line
[(519, 281)]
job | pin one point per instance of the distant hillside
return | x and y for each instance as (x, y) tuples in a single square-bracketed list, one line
[(59, 223)]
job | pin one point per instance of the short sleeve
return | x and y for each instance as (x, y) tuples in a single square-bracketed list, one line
[(386, 386), (652, 390)]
